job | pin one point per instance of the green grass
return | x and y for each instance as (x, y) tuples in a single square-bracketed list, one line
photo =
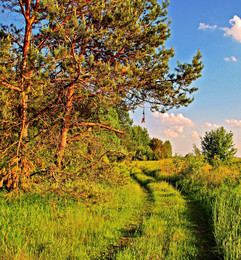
[(227, 222), (35, 227), (167, 230), (217, 191), (145, 218)]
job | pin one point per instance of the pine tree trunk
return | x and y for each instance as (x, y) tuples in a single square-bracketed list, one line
[(25, 75), (65, 127)]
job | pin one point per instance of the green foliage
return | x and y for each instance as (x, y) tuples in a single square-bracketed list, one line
[(161, 150), (168, 149), (218, 144), (196, 151), (140, 143)]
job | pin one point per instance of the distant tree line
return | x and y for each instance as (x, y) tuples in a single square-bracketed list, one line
[(142, 147)]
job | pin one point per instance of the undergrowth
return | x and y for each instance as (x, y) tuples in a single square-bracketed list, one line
[(48, 226)]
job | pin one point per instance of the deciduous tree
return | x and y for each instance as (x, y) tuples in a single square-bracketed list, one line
[(161, 149), (218, 143)]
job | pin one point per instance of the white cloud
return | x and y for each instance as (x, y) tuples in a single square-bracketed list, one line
[(195, 135), (235, 30), (204, 27), (234, 122), (173, 119), (178, 128), (232, 58), (170, 133), (212, 125)]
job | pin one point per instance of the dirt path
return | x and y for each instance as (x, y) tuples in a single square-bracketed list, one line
[(205, 242), (202, 230)]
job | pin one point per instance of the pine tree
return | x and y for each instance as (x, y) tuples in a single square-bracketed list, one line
[(67, 59)]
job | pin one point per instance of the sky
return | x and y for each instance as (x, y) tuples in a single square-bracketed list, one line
[(214, 27)]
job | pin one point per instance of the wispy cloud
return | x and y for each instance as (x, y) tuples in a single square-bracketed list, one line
[(232, 58), (173, 119), (212, 125), (233, 122), (170, 133), (205, 27), (195, 135), (235, 30)]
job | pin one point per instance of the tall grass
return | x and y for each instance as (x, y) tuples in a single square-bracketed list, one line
[(227, 222), (36, 227), (217, 189), (149, 220)]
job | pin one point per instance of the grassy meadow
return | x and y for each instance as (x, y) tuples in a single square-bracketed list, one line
[(179, 208), (36, 227)]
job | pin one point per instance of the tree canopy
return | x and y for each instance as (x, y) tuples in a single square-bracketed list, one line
[(161, 149), (63, 64), (218, 143)]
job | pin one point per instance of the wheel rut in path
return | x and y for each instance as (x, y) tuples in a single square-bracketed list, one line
[(133, 230), (205, 241)]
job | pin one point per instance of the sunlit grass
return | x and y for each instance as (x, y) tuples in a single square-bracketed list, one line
[(35, 227), (227, 223), (166, 232), (217, 190), (156, 214)]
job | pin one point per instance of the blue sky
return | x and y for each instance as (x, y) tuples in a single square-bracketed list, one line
[(213, 26)]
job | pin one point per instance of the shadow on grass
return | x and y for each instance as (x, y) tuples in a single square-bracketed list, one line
[(202, 227)]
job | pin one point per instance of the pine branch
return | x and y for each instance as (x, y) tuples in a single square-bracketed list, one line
[(6, 84), (100, 125)]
